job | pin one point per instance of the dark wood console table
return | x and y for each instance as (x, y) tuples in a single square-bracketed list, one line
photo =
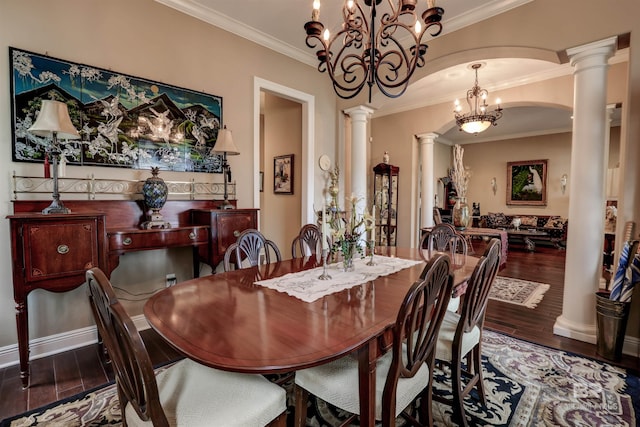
[(52, 252)]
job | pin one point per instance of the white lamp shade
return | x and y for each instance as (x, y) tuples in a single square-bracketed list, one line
[(475, 127), (224, 143), (54, 117)]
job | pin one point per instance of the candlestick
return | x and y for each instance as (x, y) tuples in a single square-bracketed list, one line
[(373, 217), (325, 243), (324, 275)]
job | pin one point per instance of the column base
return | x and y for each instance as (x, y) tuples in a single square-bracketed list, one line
[(565, 328)]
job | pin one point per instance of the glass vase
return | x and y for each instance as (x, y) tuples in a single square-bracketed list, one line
[(461, 215), (348, 252)]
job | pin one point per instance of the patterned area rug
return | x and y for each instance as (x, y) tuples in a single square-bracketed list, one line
[(516, 291), (526, 385)]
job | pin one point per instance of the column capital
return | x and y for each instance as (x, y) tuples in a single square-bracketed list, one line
[(429, 137), (599, 51), (359, 112)]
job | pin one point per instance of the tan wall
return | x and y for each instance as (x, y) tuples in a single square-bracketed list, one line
[(280, 216), (145, 39)]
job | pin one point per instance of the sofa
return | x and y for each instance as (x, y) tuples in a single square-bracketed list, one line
[(554, 226)]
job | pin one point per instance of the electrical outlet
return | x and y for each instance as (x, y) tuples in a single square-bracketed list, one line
[(171, 280)]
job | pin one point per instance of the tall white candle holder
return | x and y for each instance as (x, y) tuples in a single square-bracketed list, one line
[(324, 275)]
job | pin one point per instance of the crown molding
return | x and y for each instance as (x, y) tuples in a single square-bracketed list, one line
[(240, 29)]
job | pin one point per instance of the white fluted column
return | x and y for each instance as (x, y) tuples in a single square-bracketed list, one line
[(359, 117), (585, 239), (427, 144)]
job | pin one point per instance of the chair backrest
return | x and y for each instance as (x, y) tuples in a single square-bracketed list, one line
[(475, 299), (437, 218), (135, 379), (308, 242), (443, 237), (417, 327), (248, 248)]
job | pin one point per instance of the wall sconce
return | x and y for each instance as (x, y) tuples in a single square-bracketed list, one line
[(494, 185), (563, 182)]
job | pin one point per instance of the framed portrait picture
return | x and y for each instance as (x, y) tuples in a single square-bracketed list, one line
[(527, 183), (283, 174)]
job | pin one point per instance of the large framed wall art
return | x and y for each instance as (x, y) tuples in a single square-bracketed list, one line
[(527, 183), (124, 121)]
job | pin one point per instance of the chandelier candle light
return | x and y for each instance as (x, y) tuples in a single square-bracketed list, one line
[(369, 50), (479, 118)]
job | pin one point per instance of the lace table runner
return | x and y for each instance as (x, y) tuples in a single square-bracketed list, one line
[(306, 286)]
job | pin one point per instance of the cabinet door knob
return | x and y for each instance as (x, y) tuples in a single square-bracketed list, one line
[(236, 233), (127, 241), (63, 249), (192, 235)]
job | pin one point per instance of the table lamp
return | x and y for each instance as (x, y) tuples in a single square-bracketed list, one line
[(224, 145), (53, 121)]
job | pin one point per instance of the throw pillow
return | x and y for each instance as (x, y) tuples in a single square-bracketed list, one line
[(529, 221), (555, 222), (495, 220)]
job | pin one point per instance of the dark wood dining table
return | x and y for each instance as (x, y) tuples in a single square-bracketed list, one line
[(227, 322)]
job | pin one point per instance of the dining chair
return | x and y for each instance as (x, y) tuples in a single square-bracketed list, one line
[(308, 242), (443, 237), (437, 218), (248, 249), (183, 394), (460, 335), (406, 370)]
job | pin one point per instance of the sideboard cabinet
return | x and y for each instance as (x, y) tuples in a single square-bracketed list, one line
[(53, 252)]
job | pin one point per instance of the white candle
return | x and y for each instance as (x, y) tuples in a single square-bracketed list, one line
[(373, 230), (325, 243)]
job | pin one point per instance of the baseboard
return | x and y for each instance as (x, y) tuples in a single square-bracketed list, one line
[(58, 343)]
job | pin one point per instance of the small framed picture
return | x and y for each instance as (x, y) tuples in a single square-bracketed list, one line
[(283, 174), (261, 181)]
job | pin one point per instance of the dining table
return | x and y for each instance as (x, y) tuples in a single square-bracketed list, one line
[(228, 321)]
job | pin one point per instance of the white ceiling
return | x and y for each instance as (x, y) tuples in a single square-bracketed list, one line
[(279, 25)]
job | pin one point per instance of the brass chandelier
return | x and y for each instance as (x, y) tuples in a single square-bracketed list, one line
[(478, 119), (361, 53)]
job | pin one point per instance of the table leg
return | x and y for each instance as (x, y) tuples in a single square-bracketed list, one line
[(22, 323), (367, 383), (530, 244)]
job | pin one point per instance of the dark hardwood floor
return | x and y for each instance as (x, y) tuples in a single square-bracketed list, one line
[(66, 374)]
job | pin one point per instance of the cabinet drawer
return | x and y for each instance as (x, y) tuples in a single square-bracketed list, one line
[(137, 240), (57, 250)]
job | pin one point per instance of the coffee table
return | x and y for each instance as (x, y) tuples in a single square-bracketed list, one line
[(526, 237)]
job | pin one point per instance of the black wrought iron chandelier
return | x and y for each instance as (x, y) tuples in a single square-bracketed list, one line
[(364, 54), (478, 119)]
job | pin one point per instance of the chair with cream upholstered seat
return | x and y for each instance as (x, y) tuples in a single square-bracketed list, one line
[(443, 237), (403, 373), (461, 334), (183, 394), (248, 249)]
